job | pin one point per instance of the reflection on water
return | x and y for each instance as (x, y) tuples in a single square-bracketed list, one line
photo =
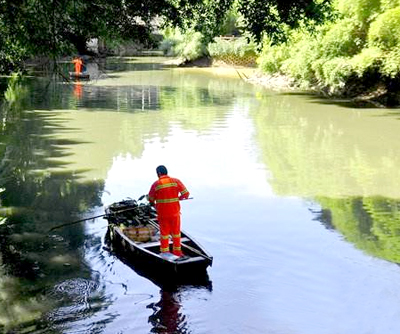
[(263, 169), (167, 317), (345, 160), (328, 151), (371, 223)]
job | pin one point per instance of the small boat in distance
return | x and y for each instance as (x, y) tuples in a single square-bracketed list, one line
[(133, 234), (79, 75)]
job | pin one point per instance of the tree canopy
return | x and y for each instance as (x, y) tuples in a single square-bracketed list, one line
[(60, 27), (272, 16)]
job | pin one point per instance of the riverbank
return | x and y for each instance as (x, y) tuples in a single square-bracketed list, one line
[(252, 75), (378, 94)]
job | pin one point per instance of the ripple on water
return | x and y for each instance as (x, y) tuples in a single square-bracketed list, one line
[(75, 296)]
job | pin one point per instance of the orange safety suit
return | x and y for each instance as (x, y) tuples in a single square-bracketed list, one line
[(166, 193), (78, 65)]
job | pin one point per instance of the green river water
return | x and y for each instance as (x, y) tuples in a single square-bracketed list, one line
[(296, 197)]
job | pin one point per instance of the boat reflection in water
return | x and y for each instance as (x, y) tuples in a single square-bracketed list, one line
[(166, 317)]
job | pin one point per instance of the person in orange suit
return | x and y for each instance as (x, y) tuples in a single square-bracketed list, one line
[(165, 194), (77, 61)]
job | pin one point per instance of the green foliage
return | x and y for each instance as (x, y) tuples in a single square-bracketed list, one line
[(389, 4), (233, 23), (273, 56), (270, 17), (334, 73), (303, 54), (343, 38), (192, 47), (239, 47), (188, 45), (367, 59), (363, 42), (59, 28), (15, 89), (205, 16), (391, 63), (384, 32), (363, 11), (11, 52)]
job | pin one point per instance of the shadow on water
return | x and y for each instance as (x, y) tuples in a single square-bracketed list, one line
[(40, 272)]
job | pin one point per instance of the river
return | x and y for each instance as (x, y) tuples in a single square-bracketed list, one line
[(297, 199)]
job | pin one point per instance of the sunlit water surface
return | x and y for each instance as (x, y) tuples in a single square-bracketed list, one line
[(296, 198)]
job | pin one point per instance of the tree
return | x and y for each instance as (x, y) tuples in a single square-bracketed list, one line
[(271, 16), (60, 27)]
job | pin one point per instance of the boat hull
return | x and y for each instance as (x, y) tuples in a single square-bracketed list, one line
[(82, 76), (133, 235)]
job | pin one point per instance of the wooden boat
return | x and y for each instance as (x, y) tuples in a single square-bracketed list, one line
[(133, 233), (81, 75)]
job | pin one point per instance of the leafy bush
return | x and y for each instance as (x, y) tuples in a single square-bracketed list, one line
[(363, 11), (343, 38), (239, 47), (188, 45), (191, 47), (167, 46), (303, 54), (366, 60), (335, 73), (389, 4), (272, 57), (391, 63), (384, 32)]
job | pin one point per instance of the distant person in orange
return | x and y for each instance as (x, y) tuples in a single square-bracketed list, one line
[(77, 61), (165, 194)]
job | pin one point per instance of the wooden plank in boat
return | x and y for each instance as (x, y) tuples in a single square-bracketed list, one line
[(157, 243)]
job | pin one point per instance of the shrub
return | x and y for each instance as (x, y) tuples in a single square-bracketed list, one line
[(389, 4), (188, 45), (384, 32), (303, 52), (272, 57), (335, 72), (167, 46), (363, 11), (391, 63), (343, 38), (238, 47), (191, 47), (367, 59)]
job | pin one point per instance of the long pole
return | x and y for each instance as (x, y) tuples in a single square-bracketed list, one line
[(84, 219), (75, 222)]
